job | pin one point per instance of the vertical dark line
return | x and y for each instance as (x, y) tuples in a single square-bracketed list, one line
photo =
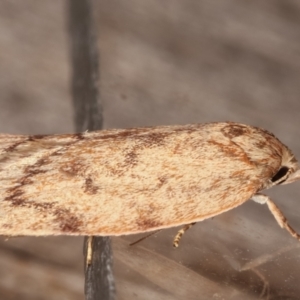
[(85, 67), (99, 281)]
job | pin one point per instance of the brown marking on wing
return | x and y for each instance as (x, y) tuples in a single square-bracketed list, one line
[(67, 221), (15, 197), (76, 136), (189, 129), (131, 158), (224, 196), (56, 153), (89, 187), (7, 226), (12, 147), (153, 139), (231, 150), (260, 144), (239, 174), (44, 206), (16, 192), (123, 134), (79, 136), (33, 138), (266, 133), (148, 217), (177, 149), (214, 186), (25, 180), (234, 130), (142, 133), (276, 149), (162, 180), (145, 223), (35, 168), (37, 137), (147, 140)]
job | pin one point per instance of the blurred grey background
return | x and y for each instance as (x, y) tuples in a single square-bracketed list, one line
[(162, 62)]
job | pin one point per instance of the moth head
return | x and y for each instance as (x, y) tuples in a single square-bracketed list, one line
[(289, 170)]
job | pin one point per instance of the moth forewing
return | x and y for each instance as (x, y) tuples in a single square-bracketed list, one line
[(116, 182)]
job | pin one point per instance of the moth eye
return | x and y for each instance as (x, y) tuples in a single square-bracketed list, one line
[(280, 174)]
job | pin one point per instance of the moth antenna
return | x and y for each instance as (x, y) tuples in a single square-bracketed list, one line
[(277, 213), (145, 237), (180, 233)]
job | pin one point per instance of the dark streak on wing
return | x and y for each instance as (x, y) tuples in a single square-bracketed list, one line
[(234, 130), (89, 187), (67, 221)]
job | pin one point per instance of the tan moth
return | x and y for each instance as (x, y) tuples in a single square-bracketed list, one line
[(117, 182)]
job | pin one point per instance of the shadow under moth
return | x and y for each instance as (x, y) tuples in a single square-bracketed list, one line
[(117, 182)]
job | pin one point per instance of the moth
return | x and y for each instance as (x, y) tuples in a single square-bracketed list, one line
[(118, 182)]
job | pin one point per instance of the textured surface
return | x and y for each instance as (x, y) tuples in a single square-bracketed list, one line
[(106, 182)]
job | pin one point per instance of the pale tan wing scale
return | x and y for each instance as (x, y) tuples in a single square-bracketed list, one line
[(128, 181)]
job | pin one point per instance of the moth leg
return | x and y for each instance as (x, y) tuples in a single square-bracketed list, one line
[(89, 255), (278, 215), (180, 233)]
